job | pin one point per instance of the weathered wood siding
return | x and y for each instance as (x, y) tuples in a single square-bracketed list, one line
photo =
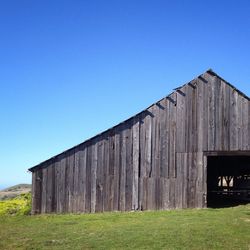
[(154, 160)]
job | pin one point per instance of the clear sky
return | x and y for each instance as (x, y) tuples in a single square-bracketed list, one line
[(71, 69)]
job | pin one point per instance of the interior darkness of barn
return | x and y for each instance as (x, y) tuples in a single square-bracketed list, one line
[(228, 180)]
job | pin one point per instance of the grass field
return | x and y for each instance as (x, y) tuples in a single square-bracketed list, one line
[(184, 229)]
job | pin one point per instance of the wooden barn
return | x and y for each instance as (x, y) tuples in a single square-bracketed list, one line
[(189, 150)]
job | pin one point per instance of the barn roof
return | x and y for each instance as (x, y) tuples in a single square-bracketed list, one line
[(200, 77)]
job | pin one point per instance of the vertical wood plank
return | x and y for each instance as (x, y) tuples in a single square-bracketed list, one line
[(99, 176), (53, 186), (82, 178), (62, 207), (245, 124), (172, 136), (111, 169), (76, 205), (200, 115), (57, 184), (71, 170), (234, 120), (44, 190), (226, 117), (180, 122), (164, 139), (34, 193), (49, 188), (106, 190), (93, 175), (88, 180), (123, 169), (129, 167), (211, 114), (136, 149), (117, 169)]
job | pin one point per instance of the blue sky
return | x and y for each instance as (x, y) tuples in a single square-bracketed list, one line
[(71, 69)]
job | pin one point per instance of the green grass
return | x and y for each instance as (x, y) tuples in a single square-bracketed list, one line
[(184, 229)]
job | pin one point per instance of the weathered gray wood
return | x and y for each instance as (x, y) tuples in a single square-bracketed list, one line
[(68, 178), (192, 163), (240, 123), (99, 176), (44, 190), (218, 114), (172, 187), (165, 193), (172, 137), (200, 115), (226, 117), (34, 193), (152, 169), (129, 167), (144, 149), (167, 150), (163, 139), (57, 184), (205, 98), (49, 191), (234, 121), (245, 124), (179, 181), (106, 181), (156, 160), (62, 185), (180, 122), (156, 143), (123, 170), (117, 167), (199, 181), (82, 178), (111, 170), (136, 155), (211, 114), (204, 189), (76, 182), (88, 180), (71, 171), (185, 170), (94, 159), (37, 191)]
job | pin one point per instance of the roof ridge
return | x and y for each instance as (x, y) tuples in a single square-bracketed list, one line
[(211, 72)]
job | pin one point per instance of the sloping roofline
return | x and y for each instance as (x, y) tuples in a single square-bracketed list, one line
[(209, 71)]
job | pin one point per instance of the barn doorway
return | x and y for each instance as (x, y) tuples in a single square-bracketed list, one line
[(228, 180)]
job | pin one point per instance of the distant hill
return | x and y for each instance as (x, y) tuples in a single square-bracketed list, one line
[(12, 192)]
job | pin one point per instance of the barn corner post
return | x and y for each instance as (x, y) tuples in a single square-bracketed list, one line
[(36, 192), (33, 196)]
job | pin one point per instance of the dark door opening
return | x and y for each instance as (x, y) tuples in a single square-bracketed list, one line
[(228, 180)]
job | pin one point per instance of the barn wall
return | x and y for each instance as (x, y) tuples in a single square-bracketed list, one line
[(154, 160)]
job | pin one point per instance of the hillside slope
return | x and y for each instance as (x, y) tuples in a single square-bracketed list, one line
[(14, 191)]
